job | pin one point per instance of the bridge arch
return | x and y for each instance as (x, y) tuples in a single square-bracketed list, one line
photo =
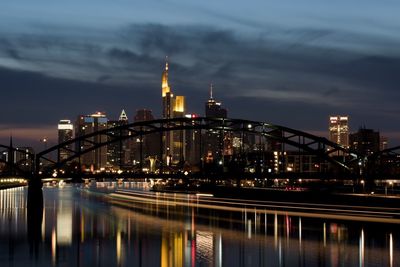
[(318, 146)]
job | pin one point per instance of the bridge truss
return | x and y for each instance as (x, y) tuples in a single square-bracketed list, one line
[(263, 132)]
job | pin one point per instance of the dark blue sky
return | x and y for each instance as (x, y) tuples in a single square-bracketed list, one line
[(292, 63)]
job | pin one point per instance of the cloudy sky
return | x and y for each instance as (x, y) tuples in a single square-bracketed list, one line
[(290, 62)]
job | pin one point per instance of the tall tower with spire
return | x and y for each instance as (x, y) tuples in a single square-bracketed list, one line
[(217, 144), (166, 93), (214, 108), (172, 107), (164, 79)]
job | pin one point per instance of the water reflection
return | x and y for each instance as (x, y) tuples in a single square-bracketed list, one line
[(72, 227)]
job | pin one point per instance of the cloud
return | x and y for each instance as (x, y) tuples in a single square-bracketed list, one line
[(294, 71), (103, 78)]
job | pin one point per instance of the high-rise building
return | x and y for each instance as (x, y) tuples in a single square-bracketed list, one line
[(143, 115), (173, 107), (217, 143), (95, 160), (146, 148), (214, 108), (192, 146), (384, 143), (275, 155), (365, 141), (20, 158), (65, 133), (166, 94), (118, 151), (339, 130)]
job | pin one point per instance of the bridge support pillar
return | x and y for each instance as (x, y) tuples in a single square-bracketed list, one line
[(35, 183), (34, 214)]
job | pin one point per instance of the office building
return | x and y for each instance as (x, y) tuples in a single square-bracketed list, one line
[(65, 133), (365, 141), (146, 149), (118, 151), (217, 143), (95, 160), (213, 109), (172, 107), (339, 130), (193, 142)]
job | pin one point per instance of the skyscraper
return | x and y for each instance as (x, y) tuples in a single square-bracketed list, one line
[(118, 151), (365, 141), (214, 108), (146, 149), (192, 144), (167, 96), (95, 160), (65, 133), (218, 143), (143, 115), (339, 130), (173, 107)]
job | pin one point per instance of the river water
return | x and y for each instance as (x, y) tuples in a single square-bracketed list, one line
[(77, 227)]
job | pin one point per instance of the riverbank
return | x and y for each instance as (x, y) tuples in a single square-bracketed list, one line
[(6, 183), (8, 186)]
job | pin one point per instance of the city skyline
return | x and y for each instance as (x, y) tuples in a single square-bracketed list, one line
[(302, 65), (179, 133), (51, 136)]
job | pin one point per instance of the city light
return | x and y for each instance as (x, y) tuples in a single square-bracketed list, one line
[(207, 133)]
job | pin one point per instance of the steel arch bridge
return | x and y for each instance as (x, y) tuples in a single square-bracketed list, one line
[(393, 151), (384, 163), (319, 146)]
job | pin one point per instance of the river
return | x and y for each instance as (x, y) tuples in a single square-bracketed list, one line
[(77, 226)]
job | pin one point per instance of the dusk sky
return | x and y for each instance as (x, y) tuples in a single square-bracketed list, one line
[(291, 63)]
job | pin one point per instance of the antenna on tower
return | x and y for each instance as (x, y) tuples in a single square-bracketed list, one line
[(166, 62), (211, 91)]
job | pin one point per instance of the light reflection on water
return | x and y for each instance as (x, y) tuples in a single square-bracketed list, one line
[(76, 228)]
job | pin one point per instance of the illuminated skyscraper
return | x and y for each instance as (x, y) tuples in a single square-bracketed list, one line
[(118, 151), (166, 93), (173, 107), (65, 133), (96, 159), (192, 147), (123, 117), (339, 130), (218, 143), (214, 108)]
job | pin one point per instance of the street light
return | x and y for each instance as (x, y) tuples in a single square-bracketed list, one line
[(363, 184), (44, 141)]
